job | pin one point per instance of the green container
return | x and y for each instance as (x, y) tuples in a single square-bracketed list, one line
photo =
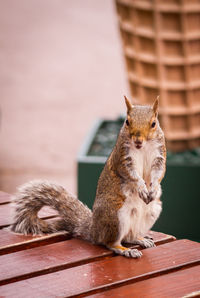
[(181, 185)]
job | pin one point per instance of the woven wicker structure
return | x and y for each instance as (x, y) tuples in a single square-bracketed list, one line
[(161, 41)]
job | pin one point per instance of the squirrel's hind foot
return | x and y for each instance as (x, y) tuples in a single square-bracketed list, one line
[(145, 242), (127, 252)]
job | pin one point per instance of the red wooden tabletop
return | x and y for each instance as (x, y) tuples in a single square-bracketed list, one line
[(58, 266)]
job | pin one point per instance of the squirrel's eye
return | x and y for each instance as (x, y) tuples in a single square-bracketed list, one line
[(153, 124), (127, 122)]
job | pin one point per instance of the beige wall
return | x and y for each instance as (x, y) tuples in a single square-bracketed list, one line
[(61, 67)]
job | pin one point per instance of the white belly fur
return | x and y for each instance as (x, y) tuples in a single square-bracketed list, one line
[(136, 217)]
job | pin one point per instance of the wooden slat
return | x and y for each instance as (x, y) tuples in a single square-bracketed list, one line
[(112, 272), (11, 242), (161, 238), (17, 263), (176, 284), (49, 258), (6, 214), (4, 197)]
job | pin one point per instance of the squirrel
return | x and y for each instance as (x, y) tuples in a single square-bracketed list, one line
[(127, 202)]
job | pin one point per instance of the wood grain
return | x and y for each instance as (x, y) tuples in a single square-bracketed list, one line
[(15, 269), (176, 284), (113, 272), (11, 242), (49, 258)]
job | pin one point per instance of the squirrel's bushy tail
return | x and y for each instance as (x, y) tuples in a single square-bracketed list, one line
[(76, 218)]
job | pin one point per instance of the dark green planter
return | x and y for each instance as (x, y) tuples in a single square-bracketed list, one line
[(181, 187)]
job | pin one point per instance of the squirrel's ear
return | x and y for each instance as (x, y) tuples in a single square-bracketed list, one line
[(155, 105), (128, 104)]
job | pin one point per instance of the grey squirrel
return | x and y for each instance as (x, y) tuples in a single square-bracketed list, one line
[(127, 202)]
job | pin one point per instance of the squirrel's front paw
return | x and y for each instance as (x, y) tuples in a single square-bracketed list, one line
[(143, 192), (154, 191)]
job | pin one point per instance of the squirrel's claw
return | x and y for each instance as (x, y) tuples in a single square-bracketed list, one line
[(150, 197), (133, 253), (144, 242), (143, 195)]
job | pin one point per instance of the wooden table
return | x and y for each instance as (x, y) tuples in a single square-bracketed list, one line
[(58, 266)]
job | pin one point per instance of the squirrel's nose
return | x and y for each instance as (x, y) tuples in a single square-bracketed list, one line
[(138, 144)]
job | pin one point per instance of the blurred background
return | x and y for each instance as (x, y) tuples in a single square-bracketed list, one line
[(61, 68)]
